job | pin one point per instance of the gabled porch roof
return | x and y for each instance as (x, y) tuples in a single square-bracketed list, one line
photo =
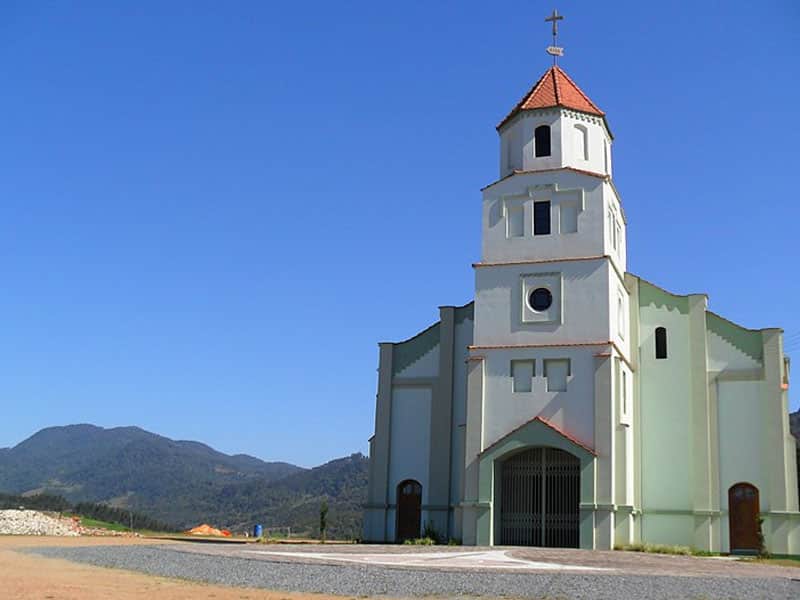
[(538, 432)]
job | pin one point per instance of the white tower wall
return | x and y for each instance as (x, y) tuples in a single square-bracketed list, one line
[(553, 225), (578, 140)]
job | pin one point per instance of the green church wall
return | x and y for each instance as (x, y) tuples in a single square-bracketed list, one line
[(665, 402), (408, 352), (746, 340), (652, 295)]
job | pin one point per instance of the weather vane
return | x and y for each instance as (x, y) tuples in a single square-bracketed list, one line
[(555, 50)]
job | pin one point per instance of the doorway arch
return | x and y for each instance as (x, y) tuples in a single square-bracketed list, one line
[(743, 510), (409, 510), (540, 498)]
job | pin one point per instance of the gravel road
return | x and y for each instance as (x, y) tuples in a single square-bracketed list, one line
[(359, 580)]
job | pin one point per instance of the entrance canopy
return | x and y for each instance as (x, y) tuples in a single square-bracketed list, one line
[(536, 433)]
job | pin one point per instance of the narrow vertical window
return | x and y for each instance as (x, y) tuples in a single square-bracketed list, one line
[(624, 392), (581, 142), (621, 318), (541, 140), (605, 155), (522, 372), (661, 342), (541, 218), (556, 370), (516, 221)]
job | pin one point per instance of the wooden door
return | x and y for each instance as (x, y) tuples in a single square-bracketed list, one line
[(409, 510), (743, 512)]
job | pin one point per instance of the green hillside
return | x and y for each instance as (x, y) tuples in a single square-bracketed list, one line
[(184, 483)]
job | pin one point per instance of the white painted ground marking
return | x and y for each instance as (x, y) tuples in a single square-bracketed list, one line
[(492, 559)]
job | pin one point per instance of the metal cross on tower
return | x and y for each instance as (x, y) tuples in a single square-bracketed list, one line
[(555, 51)]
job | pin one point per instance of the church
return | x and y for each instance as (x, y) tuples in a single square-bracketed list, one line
[(573, 403)]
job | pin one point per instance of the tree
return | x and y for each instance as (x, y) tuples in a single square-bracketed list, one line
[(323, 519)]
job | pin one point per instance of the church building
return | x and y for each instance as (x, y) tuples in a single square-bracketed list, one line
[(572, 403)]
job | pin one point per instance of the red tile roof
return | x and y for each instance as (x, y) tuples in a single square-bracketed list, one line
[(555, 88), (546, 423), (560, 431)]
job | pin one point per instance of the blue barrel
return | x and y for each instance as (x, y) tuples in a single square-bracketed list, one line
[(258, 531)]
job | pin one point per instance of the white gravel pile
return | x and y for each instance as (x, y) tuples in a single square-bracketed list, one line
[(31, 522)]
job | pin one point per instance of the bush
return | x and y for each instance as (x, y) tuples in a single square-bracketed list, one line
[(423, 541), (431, 533), (762, 546), (657, 549)]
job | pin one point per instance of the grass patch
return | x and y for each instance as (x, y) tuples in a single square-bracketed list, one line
[(86, 522), (665, 549), (786, 561), (423, 541)]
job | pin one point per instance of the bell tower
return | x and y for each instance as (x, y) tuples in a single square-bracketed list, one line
[(555, 125), (555, 129), (551, 343)]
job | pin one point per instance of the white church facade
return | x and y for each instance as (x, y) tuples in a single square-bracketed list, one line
[(574, 404)]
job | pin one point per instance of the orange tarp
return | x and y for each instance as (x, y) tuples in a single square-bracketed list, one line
[(206, 529)]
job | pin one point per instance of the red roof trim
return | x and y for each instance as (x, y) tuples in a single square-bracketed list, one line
[(546, 423), (551, 170)]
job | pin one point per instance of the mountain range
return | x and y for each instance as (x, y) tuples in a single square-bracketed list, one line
[(183, 482)]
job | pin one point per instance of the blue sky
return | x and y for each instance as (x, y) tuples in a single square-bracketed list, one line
[(212, 212)]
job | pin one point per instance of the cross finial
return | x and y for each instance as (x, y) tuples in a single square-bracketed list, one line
[(555, 51)]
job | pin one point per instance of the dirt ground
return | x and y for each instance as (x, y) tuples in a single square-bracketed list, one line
[(25, 577)]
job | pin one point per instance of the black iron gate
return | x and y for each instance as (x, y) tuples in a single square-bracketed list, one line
[(539, 499)]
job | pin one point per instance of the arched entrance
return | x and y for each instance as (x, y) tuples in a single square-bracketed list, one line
[(743, 512), (540, 498), (409, 510)]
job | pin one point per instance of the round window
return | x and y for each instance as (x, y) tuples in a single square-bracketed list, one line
[(540, 299)]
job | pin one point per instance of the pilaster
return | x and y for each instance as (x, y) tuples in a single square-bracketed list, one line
[(714, 466), (379, 489), (632, 285), (604, 419), (473, 510), (704, 486), (776, 422), (441, 430)]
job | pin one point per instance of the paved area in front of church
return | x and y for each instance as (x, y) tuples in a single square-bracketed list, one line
[(487, 559), (409, 571)]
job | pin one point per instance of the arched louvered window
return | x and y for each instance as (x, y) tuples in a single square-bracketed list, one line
[(541, 137), (661, 342)]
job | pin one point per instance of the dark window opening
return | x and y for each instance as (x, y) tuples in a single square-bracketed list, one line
[(542, 140), (541, 218), (661, 342), (540, 299)]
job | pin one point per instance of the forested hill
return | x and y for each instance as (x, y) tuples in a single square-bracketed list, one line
[(181, 482)]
